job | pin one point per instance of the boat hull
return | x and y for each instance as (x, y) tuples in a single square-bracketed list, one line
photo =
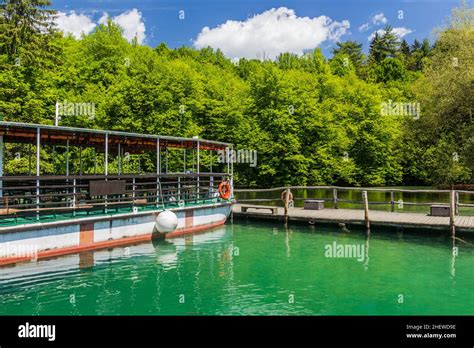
[(44, 240)]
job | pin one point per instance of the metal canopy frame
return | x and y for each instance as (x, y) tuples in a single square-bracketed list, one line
[(103, 141), (58, 135)]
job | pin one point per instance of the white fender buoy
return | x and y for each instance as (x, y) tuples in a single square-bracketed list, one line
[(166, 221)]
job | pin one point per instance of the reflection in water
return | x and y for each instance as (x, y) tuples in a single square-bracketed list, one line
[(225, 258), (287, 243), (249, 269), (197, 291), (166, 252), (344, 228), (86, 259), (453, 259), (366, 263)]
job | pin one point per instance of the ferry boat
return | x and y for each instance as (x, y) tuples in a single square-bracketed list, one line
[(47, 215)]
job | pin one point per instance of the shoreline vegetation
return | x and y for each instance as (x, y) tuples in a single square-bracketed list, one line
[(399, 115)]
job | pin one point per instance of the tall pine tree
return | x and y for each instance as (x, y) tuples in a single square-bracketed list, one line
[(26, 27), (384, 45), (353, 50)]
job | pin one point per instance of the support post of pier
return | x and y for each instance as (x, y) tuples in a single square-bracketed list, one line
[(452, 212), (365, 198), (392, 201), (287, 200), (334, 198), (456, 210)]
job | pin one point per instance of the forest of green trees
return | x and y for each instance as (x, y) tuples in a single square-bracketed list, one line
[(313, 119)]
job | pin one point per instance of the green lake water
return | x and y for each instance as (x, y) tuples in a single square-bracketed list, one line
[(252, 269)]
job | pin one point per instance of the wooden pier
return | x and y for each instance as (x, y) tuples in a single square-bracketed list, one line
[(453, 222), (356, 217)]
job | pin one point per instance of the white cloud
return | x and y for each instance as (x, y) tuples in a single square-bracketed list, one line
[(75, 24), (379, 18), (270, 33), (364, 27), (399, 32), (402, 31), (103, 19), (132, 23)]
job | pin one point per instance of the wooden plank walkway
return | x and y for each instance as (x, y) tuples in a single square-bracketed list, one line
[(353, 216)]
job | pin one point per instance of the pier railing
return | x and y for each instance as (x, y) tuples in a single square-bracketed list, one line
[(393, 199), (27, 196)]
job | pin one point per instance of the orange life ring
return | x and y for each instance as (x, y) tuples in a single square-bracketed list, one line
[(283, 196), (225, 190)]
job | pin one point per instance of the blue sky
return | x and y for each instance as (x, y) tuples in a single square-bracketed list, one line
[(159, 21)]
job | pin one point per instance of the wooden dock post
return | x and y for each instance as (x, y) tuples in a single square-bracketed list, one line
[(392, 201), (334, 197), (365, 198), (287, 200), (456, 210), (452, 212)]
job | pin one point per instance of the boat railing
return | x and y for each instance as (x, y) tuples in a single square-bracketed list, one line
[(47, 196)]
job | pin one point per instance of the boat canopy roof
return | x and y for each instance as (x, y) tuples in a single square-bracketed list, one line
[(16, 132)]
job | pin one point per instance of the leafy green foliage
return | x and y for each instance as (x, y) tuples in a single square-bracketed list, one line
[(311, 120), (446, 93)]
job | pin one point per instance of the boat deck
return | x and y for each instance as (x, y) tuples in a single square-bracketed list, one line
[(356, 217), (13, 220)]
